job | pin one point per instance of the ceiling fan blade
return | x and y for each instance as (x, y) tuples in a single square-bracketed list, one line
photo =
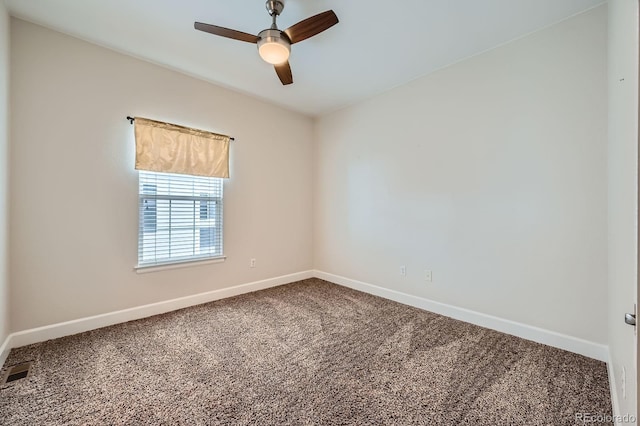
[(226, 32), (284, 73), (311, 26)]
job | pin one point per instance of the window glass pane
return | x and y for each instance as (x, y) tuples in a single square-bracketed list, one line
[(149, 208)]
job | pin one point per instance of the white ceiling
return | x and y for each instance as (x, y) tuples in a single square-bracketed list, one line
[(377, 44)]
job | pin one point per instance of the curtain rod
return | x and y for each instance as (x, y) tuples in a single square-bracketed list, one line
[(132, 119)]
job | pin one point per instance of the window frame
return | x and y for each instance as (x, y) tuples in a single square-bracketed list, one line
[(147, 197)]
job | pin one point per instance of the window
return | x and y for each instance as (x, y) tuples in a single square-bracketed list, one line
[(180, 218)]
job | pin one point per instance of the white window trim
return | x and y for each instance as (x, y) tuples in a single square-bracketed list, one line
[(178, 265)]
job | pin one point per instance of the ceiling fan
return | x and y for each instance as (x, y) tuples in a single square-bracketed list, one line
[(274, 45)]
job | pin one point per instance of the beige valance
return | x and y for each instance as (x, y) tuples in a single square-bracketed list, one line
[(168, 148)]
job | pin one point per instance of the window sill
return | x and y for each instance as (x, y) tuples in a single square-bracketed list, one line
[(177, 265)]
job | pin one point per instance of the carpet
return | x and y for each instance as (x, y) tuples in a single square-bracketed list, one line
[(306, 353)]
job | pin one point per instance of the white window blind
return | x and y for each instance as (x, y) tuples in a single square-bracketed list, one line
[(180, 218)]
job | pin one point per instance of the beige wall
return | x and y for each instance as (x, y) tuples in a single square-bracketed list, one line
[(4, 173), (623, 193), (74, 204), (491, 173)]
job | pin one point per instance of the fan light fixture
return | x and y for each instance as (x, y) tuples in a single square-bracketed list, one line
[(272, 47)]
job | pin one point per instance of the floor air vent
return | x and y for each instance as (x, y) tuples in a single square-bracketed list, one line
[(17, 372)]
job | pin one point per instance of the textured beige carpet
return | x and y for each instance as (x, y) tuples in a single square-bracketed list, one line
[(305, 353)]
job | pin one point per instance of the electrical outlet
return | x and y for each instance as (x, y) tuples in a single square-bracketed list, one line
[(428, 276), (252, 263), (403, 271)]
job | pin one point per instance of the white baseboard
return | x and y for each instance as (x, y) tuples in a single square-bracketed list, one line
[(54, 331), (547, 337), (4, 350), (615, 405), (551, 338)]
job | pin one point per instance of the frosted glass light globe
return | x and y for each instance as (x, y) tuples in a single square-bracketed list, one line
[(273, 48)]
